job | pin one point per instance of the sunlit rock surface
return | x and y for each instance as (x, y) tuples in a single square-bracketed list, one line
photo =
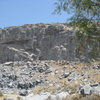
[(40, 41)]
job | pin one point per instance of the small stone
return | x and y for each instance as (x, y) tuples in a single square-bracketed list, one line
[(23, 93), (96, 67), (8, 63), (48, 71), (10, 85), (65, 67), (13, 77), (65, 75)]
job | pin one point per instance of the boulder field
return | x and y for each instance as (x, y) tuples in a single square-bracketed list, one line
[(49, 79)]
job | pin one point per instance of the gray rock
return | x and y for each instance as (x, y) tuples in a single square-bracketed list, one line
[(23, 86), (10, 85), (65, 75), (74, 76), (40, 42), (1, 85), (28, 85), (7, 99), (48, 71), (13, 77), (86, 90), (96, 88), (89, 89), (23, 93), (37, 41), (96, 67)]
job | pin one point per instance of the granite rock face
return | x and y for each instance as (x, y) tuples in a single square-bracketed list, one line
[(40, 41)]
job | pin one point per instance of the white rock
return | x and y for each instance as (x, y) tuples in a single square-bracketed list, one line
[(52, 97), (87, 89), (43, 96), (8, 63), (96, 89), (62, 95)]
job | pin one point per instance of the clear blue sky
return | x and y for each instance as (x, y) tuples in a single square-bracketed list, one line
[(19, 12)]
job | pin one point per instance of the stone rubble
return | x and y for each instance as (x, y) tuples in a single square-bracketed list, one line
[(23, 77)]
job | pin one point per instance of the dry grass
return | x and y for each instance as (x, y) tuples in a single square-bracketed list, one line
[(42, 89), (78, 97), (10, 97), (85, 69), (1, 94), (92, 97)]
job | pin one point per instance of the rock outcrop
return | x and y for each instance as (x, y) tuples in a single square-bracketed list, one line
[(45, 42), (37, 41)]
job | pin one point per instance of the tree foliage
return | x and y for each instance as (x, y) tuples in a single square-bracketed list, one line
[(86, 19)]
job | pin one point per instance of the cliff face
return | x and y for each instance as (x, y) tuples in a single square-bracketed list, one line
[(38, 41), (41, 41)]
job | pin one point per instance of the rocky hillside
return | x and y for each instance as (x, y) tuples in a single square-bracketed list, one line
[(41, 62), (41, 79)]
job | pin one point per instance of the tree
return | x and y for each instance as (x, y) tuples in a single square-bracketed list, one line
[(86, 19)]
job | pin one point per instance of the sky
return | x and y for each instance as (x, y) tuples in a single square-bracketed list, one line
[(20, 12)]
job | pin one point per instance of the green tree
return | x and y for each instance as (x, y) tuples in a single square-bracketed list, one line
[(86, 20)]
